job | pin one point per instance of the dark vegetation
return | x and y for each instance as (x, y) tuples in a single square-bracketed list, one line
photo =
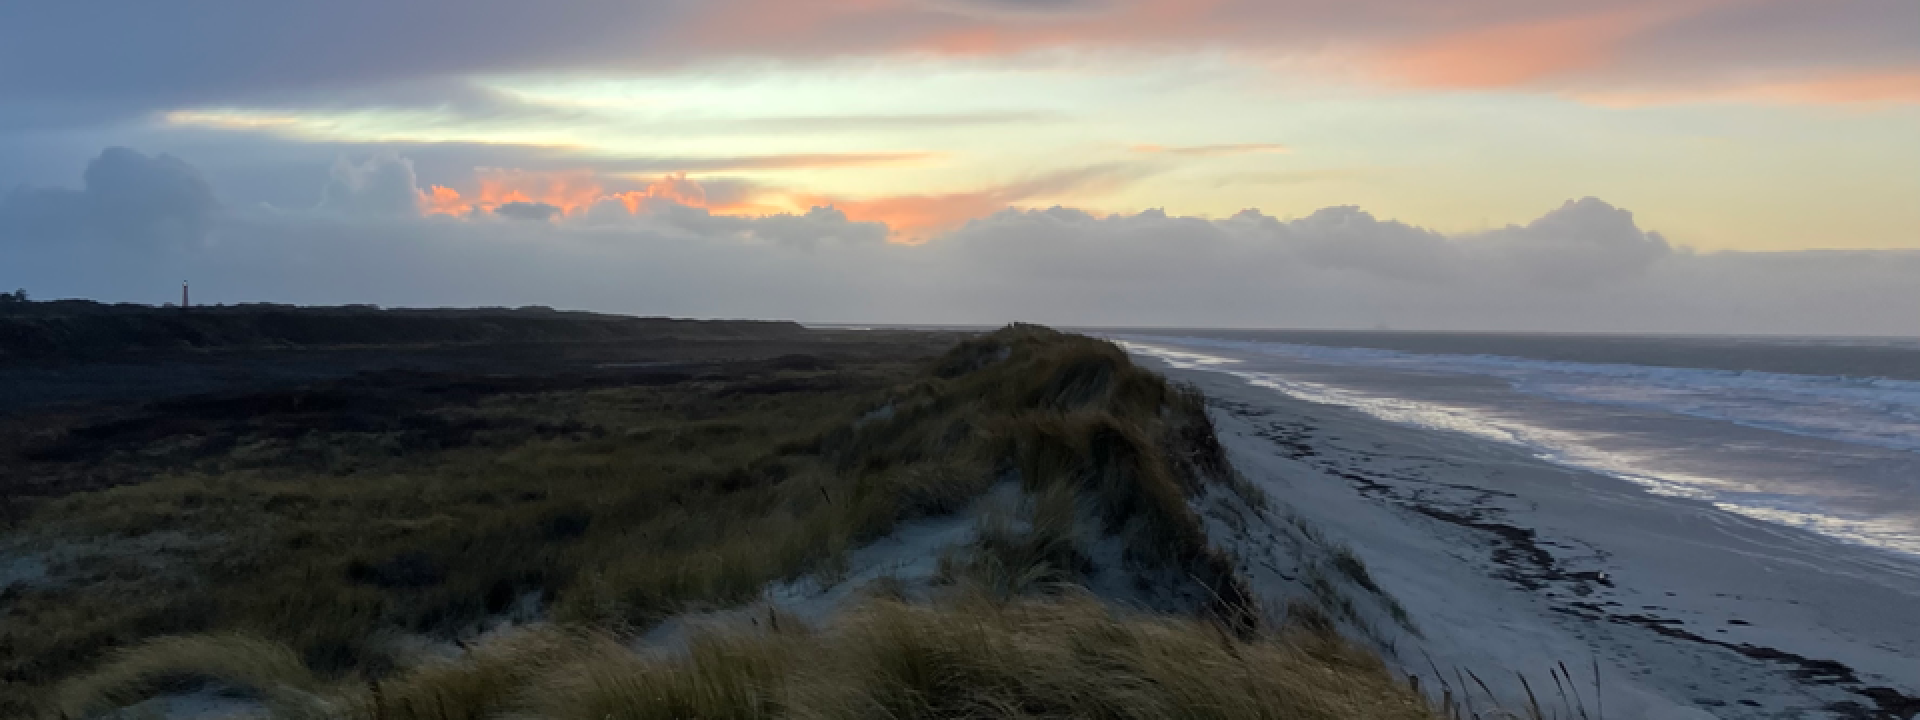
[(321, 513), (81, 329), (287, 540)]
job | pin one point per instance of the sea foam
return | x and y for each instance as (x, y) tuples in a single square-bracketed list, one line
[(1867, 411)]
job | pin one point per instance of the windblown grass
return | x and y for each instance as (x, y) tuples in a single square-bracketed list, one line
[(1074, 657), (271, 669), (483, 682), (1065, 657), (329, 517), (1137, 446), (1016, 554), (722, 675), (609, 508)]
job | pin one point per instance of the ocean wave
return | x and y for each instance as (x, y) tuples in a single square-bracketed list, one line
[(1560, 447), (1871, 411)]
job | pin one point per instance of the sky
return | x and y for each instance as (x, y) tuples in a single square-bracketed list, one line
[(1739, 166)]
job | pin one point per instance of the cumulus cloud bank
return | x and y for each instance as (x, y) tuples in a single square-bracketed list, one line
[(126, 197), (383, 185), (523, 210), (1585, 266)]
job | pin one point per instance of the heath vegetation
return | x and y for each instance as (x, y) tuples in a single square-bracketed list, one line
[(301, 546)]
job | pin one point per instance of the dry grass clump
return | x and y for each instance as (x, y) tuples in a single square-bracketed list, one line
[(482, 682), (1064, 657), (1076, 412), (1074, 657), (721, 675), (267, 668), (1015, 554), (1070, 656)]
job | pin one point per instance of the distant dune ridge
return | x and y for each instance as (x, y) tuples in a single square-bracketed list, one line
[(80, 328)]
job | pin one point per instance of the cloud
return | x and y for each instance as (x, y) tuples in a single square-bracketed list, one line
[(601, 198), (1017, 8), (523, 210), (1348, 238), (324, 126), (442, 200), (1585, 242), (1888, 87), (791, 161), (1214, 150), (817, 226), (568, 191), (843, 123), (917, 218), (150, 58), (1522, 53), (1584, 266), (1571, 47), (579, 191), (382, 185), (127, 198)]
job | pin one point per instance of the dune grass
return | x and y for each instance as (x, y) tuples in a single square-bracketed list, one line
[(1074, 657), (1068, 657), (972, 658), (271, 669), (606, 509), (331, 530)]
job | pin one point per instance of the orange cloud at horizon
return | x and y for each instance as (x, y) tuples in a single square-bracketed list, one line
[(570, 191), (910, 219), (675, 188), (442, 200), (914, 219)]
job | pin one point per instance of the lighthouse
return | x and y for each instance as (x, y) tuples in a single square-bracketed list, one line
[(183, 294)]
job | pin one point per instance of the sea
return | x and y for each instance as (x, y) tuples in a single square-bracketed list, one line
[(1821, 434)]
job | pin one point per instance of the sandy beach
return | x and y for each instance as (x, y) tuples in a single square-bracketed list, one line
[(1509, 565)]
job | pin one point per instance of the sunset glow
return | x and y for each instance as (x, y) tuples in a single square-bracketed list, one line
[(1524, 313), (926, 114)]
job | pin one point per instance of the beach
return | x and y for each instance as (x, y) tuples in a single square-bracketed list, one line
[(1510, 564)]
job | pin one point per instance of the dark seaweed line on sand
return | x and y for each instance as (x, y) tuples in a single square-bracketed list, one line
[(1531, 567)]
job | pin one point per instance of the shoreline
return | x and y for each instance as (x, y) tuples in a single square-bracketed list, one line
[(1781, 449), (1508, 563)]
